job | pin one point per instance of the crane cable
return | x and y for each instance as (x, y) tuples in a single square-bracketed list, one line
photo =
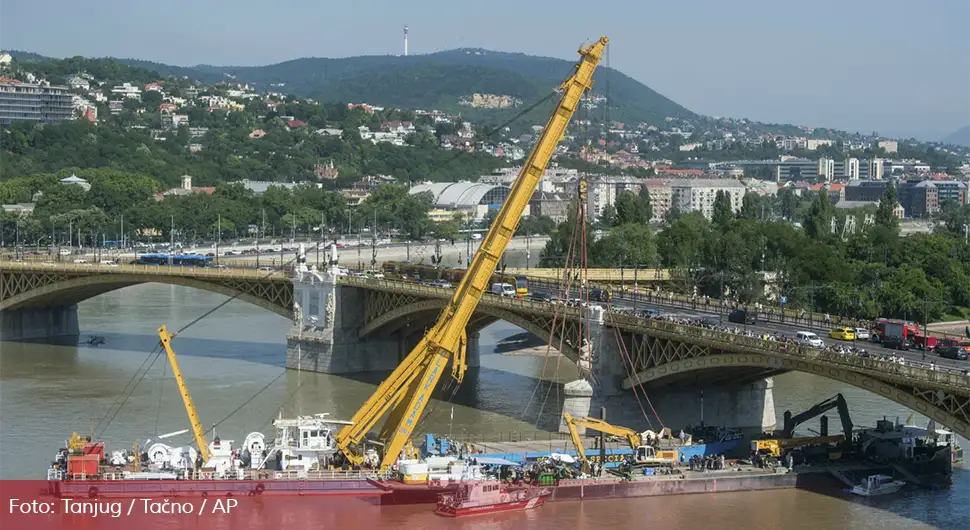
[(130, 393), (123, 390), (625, 358), (157, 351), (284, 265), (552, 331), (569, 278)]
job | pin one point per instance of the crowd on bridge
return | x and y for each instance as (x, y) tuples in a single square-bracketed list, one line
[(712, 323)]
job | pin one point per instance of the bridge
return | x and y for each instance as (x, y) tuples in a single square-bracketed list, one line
[(38, 300), (350, 324)]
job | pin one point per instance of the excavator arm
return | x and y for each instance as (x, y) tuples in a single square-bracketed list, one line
[(197, 431), (632, 437), (577, 441), (407, 391), (838, 401)]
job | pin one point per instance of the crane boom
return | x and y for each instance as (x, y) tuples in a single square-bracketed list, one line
[(407, 391), (197, 431)]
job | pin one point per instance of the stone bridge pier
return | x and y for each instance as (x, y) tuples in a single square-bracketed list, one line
[(56, 323), (745, 403), (326, 333)]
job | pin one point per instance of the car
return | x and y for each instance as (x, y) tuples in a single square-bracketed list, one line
[(861, 334), (599, 295), (503, 289), (843, 334), (897, 343), (651, 313), (943, 344), (476, 236), (540, 297), (954, 352), (807, 338), (440, 284), (742, 316)]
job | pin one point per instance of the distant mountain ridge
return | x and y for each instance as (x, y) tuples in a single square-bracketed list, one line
[(958, 137), (436, 80)]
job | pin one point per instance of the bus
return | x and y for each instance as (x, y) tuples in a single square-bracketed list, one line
[(425, 272), (177, 260)]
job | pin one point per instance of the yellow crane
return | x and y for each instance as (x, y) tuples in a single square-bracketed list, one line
[(197, 431), (642, 453), (406, 392)]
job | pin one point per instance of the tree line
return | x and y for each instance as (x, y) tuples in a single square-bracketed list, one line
[(871, 273), (118, 197)]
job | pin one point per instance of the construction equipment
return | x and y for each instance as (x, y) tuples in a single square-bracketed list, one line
[(643, 454), (197, 431), (406, 392), (791, 422), (778, 446)]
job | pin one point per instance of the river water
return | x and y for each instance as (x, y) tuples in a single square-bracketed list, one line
[(46, 392)]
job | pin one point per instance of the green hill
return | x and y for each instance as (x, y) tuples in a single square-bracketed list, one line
[(436, 80)]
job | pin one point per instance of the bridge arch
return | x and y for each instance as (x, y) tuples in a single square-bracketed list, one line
[(432, 307), (931, 407), (71, 291)]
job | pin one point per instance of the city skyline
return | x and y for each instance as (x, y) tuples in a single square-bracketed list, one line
[(902, 70)]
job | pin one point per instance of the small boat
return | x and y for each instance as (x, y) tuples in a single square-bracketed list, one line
[(94, 340), (874, 485), (491, 496)]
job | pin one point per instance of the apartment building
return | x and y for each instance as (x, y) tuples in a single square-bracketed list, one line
[(919, 198), (661, 197), (39, 103), (698, 195), (604, 191)]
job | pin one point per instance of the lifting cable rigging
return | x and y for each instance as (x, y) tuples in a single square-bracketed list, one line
[(140, 373), (576, 251), (452, 384)]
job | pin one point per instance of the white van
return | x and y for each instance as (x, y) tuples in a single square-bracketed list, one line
[(807, 338), (503, 289)]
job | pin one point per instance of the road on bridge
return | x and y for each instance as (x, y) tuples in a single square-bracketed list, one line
[(789, 330), (624, 301)]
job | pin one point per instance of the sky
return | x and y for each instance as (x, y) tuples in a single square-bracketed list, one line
[(900, 68)]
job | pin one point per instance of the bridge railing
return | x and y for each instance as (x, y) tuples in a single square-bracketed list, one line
[(910, 371), (429, 291), (787, 349), (163, 270)]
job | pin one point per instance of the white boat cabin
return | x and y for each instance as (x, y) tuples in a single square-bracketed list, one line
[(303, 443)]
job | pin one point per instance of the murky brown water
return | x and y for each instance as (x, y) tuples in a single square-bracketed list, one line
[(48, 391)]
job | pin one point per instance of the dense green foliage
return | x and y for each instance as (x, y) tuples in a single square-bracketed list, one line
[(872, 273), (227, 152)]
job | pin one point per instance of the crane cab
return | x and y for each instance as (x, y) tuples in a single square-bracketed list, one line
[(649, 455)]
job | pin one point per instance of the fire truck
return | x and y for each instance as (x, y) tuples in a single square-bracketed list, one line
[(895, 332)]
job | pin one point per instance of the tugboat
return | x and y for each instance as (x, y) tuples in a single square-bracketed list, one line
[(489, 497), (874, 485)]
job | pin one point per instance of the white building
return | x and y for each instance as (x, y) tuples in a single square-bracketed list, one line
[(891, 146), (697, 195), (127, 90)]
